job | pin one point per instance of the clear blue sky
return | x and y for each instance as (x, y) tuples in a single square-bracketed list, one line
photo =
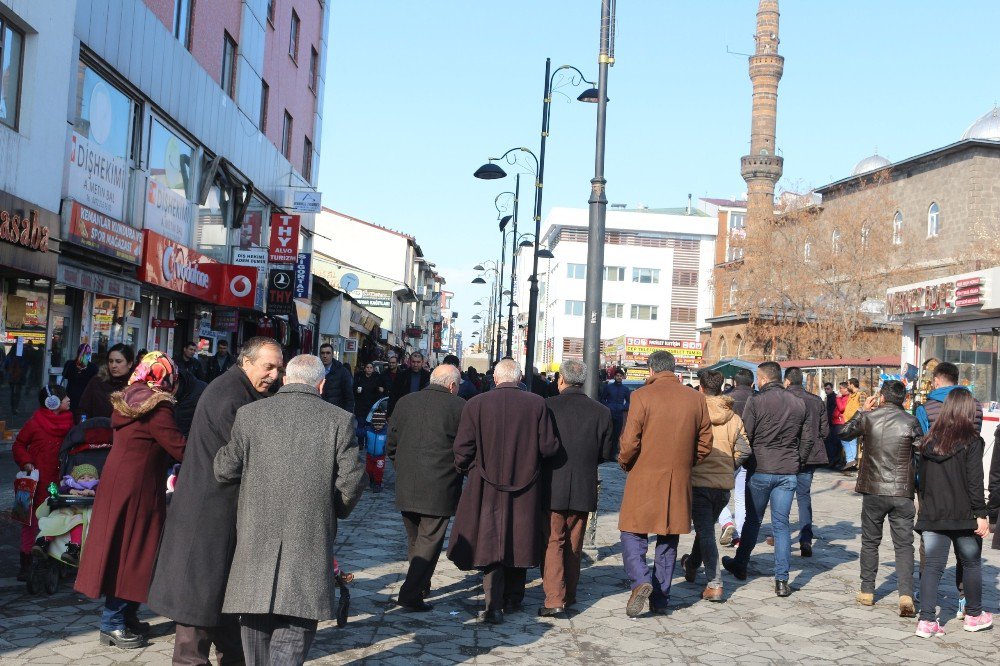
[(418, 95)]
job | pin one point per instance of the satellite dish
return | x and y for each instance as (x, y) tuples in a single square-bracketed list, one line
[(349, 282)]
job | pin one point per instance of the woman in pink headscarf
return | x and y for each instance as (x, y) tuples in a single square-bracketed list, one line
[(130, 507)]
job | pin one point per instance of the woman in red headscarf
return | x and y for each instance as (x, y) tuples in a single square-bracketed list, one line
[(130, 506)]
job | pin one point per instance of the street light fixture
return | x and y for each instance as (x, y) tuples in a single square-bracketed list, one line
[(545, 254)]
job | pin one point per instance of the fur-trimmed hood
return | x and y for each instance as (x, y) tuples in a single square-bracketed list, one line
[(138, 400)]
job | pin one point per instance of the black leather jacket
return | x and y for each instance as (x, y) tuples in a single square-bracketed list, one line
[(819, 425), (887, 466)]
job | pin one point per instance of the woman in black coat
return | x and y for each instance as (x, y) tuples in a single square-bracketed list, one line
[(368, 389), (952, 510), (77, 373)]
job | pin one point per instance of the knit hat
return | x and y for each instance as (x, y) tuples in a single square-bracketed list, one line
[(81, 470)]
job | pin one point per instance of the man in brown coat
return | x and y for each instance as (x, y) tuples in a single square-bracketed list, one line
[(668, 431), (502, 437)]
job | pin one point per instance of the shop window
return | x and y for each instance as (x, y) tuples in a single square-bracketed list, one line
[(11, 58), (228, 78), (103, 113), (25, 309), (214, 220), (977, 355)]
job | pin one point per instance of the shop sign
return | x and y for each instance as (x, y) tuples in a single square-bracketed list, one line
[(88, 280), (250, 230), (437, 336), (166, 212), (373, 298), (637, 350), (350, 346), (25, 230), (225, 320), (91, 229), (96, 179), (279, 292), (258, 260), (307, 201), (284, 245), (164, 323), (303, 275), (167, 263), (238, 285)]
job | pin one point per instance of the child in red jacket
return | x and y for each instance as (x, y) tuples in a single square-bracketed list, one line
[(37, 447)]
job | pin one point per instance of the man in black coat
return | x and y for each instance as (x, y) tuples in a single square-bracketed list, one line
[(216, 366), (338, 389), (189, 390), (420, 444), (409, 380), (818, 428), (199, 536), (569, 483), (189, 361)]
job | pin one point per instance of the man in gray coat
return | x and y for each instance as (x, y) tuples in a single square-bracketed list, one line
[(420, 444), (281, 582)]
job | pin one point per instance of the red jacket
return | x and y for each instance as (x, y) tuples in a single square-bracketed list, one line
[(838, 412), (38, 444)]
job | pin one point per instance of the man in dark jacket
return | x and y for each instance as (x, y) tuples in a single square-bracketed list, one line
[(817, 429), (776, 424), (338, 388), (421, 444), (615, 397), (886, 482), (189, 390), (410, 380), (199, 535), (742, 390), (189, 361), (216, 366), (502, 438), (389, 374), (569, 483)]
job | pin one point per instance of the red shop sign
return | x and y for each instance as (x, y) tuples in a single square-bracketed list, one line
[(164, 323), (238, 285), (166, 263), (99, 232), (284, 245)]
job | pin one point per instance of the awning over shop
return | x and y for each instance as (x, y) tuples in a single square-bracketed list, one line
[(729, 366)]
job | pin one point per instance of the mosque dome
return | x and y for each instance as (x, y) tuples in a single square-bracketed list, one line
[(871, 163), (986, 128)]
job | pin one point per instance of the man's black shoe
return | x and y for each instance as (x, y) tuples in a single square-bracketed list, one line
[(416, 606), (781, 588), (729, 564), (806, 550), (545, 611), (689, 573), (493, 617), (122, 638)]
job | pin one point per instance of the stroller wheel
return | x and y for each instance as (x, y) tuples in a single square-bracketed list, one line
[(36, 575), (52, 579)]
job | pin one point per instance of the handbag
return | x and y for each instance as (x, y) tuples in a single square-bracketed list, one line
[(25, 484)]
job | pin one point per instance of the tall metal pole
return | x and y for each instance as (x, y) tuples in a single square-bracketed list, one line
[(513, 270), (598, 211), (499, 312), (529, 360)]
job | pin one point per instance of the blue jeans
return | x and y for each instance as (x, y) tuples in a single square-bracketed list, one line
[(778, 490), (634, 547), (969, 552), (803, 486), (115, 611), (850, 450)]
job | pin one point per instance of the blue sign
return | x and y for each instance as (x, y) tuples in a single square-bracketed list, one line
[(303, 275)]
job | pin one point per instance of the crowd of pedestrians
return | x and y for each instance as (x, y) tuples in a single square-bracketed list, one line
[(242, 560)]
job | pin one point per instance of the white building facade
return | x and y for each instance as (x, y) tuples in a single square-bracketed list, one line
[(656, 276)]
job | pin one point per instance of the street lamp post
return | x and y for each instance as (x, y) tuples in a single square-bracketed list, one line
[(598, 210), (492, 171)]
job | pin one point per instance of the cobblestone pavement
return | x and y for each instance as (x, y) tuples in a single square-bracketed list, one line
[(819, 623)]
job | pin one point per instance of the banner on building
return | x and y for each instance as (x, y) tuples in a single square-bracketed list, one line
[(307, 201), (226, 320), (250, 230), (91, 229), (284, 245), (166, 212), (167, 263), (373, 298), (238, 286), (631, 352), (279, 291), (258, 259), (437, 336), (303, 275), (96, 179)]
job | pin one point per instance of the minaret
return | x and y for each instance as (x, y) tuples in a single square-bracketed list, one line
[(761, 169)]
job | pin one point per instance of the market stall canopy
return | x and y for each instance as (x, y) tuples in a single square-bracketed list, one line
[(729, 366)]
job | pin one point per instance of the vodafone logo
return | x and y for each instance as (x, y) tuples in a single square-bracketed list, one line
[(167, 264), (240, 286), (174, 269)]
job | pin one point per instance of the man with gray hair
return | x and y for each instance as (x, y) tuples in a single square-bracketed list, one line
[(281, 582), (420, 445), (503, 436), (569, 483)]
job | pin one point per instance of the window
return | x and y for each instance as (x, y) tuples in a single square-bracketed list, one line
[(265, 92), (897, 229), (313, 69), (685, 278), (574, 308), (614, 273), (835, 241), (11, 52), (286, 137), (307, 159), (646, 276), (270, 11), (733, 291), (228, 79), (293, 39), (682, 315), (737, 232), (866, 233), (614, 310), (182, 22), (933, 220), (576, 271), (807, 251), (647, 312)]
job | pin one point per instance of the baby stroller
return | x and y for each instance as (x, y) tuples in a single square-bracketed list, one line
[(374, 438), (87, 443)]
